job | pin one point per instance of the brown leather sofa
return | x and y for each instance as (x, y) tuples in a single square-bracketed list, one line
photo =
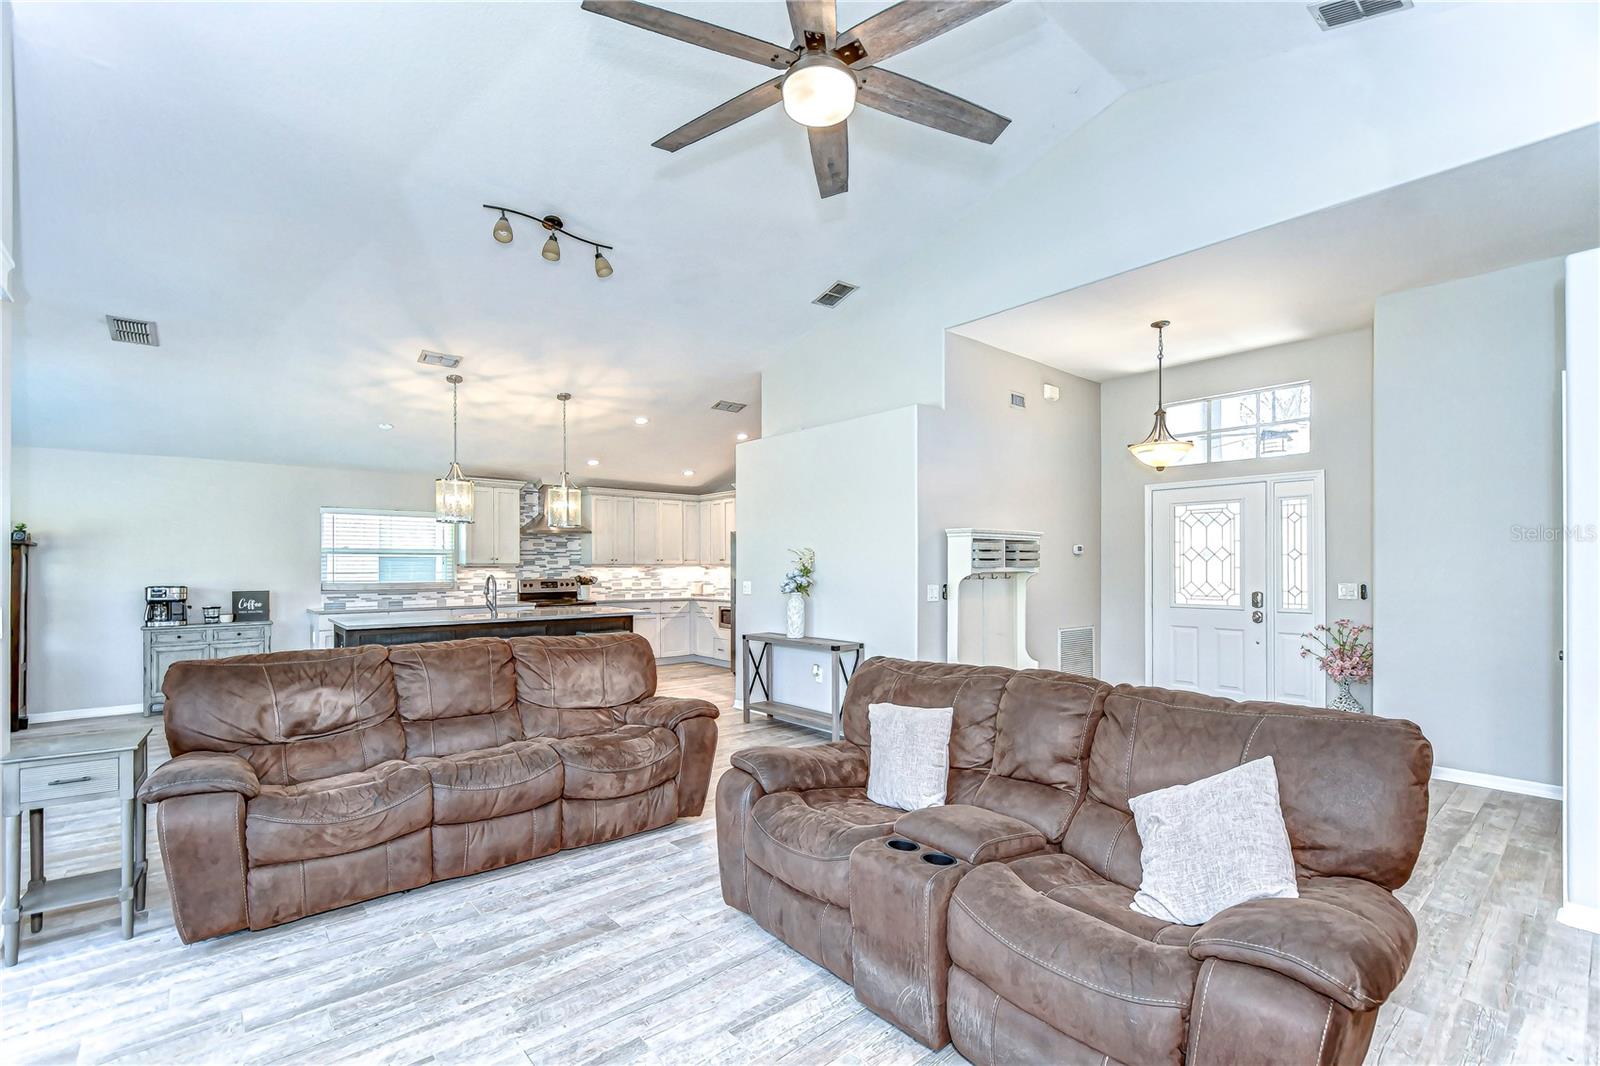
[(1002, 919), (307, 780)]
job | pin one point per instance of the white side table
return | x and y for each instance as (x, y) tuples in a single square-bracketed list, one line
[(40, 772)]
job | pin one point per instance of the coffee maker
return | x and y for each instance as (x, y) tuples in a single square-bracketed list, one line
[(166, 605)]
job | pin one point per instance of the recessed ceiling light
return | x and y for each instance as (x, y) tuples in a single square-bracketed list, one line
[(386, 425), (641, 421), (594, 462), (742, 436), (688, 473)]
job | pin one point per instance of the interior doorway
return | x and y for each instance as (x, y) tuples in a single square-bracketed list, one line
[(1234, 578)]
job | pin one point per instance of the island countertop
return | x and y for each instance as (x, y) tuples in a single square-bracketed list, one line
[(477, 618)]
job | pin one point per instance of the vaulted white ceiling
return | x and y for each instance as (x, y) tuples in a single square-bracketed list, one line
[(293, 193)]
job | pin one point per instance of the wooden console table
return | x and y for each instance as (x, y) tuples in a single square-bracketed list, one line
[(48, 771), (758, 671)]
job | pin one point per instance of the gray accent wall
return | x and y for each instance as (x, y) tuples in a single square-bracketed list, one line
[(1340, 371), (1467, 431)]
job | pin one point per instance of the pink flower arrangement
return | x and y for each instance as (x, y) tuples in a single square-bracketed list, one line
[(1343, 651)]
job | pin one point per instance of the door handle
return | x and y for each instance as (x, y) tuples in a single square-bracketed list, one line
[(1256, 601), (1256, 616)]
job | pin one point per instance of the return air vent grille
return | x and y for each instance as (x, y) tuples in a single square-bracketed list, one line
[(1075, 650), (1343, 12), (733, 407), (133, 331), (835, 292)]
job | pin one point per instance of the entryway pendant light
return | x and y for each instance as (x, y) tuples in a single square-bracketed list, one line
[(1160, 449), (564, 504), (452, 494)]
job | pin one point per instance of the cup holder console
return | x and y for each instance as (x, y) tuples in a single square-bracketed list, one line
[(903, 845), (936, 858)]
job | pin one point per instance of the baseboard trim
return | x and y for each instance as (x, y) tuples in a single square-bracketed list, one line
[(1580, 916), (49, 717), (1500, 784)]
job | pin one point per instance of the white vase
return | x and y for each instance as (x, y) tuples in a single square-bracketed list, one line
[(797, 615)]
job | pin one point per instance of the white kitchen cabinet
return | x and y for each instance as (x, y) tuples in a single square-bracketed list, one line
[(677, 632), (611, 518), (719, 532), (646, 531), (494, 536), (648, 626), (692, 548), (669, 531), (705, 629)]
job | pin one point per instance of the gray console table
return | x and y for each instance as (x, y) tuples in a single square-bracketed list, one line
[(758, 672), (46, 771), (165, 645)]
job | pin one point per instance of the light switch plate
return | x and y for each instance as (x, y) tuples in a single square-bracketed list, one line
[(933, 593), (744, 588), (1347, 590)]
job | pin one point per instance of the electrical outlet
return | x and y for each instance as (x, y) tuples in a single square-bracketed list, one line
[(933, 593), (816, 672), (1347, 590), (744, 588)]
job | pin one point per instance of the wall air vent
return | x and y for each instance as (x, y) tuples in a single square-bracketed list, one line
[(733, 407), (1331, 16), (836, 292), (439, 359), (133, 331), (1075, 650)]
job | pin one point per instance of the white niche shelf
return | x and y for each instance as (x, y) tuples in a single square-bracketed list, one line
[(987, 572)]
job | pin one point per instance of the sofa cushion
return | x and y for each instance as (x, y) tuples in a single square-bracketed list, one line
[(627, 760), (336, 815), (804, 839), (473, 785), (1058, 941), (569, 685), (910, 756), (456, 695)]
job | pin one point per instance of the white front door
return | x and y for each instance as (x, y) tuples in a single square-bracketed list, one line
[(1208, 573), (1235, 581)]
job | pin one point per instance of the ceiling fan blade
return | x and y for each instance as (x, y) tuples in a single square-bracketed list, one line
[(903, 97), (817, 16), (693, 31), (830, 158), (723, 115), (906, 25)]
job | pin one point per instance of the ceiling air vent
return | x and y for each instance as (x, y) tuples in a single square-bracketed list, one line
[(1343, 12), (133, 331), (730, 406), (439, 359), (836, 292)]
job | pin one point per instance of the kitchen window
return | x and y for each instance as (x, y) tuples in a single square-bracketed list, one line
[(365, 550), (1259, 424)]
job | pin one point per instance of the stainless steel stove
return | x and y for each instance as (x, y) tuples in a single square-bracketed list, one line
[(548, 591)]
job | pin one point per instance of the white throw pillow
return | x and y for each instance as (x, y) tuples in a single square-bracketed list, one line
[(910, 766), (1213, 844)]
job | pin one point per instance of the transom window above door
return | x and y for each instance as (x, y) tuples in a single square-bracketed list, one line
[(1258, 424)]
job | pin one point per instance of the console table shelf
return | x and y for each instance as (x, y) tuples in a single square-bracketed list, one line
[(758, 672)]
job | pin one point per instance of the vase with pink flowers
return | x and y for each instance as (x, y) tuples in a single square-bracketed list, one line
[(1343, 651)]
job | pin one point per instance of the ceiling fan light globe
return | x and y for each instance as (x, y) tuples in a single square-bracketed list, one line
[(551, 250), (602, 265), (502, 230), (819, 91)]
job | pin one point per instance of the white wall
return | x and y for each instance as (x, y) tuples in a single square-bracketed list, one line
[(109, 524), (8, 199), (1340, 371), (1178, 166), (1581, 862), (848, 491), (982, 462), (1467, 446)]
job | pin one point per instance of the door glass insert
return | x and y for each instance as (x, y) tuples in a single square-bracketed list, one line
[(1294, 516), (1206, 554)]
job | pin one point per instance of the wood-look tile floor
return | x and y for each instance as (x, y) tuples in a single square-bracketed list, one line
[(625, 952)]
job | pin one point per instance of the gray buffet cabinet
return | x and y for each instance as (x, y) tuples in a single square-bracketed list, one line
[(165, 645)]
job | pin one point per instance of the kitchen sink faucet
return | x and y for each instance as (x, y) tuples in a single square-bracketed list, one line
[(490, 590)]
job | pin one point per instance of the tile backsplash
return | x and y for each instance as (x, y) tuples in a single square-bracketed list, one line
[(645, 582)]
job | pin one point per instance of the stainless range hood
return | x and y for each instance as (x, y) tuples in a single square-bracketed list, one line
[(540, 523)]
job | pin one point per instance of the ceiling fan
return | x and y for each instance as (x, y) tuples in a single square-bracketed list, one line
[(826, 73)]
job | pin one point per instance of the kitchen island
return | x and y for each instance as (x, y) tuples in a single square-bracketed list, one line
[(509, 622)]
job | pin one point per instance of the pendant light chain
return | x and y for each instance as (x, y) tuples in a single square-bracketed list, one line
[(1161, 351), (455, 422)]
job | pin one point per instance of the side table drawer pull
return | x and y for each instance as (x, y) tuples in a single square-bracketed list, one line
[(72, 780)]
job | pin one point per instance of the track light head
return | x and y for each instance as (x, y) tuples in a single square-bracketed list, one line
[(602, 265), (502, 229), (551, 250)]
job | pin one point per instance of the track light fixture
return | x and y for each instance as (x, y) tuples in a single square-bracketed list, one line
[(552, 247)]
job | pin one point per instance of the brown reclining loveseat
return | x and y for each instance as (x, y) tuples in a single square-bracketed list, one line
[(308, 780), (1002, 919)]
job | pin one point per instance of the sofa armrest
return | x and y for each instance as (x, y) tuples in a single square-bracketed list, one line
[(840, 764), (1348, 939), (664, 711), (199, 772), (975, 834)]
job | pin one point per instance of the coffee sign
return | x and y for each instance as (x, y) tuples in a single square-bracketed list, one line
[(251, 606)]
